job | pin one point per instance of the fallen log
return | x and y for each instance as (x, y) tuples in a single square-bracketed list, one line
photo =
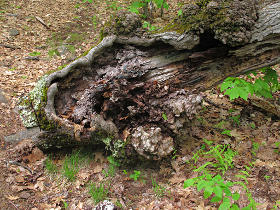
[(136, 91)]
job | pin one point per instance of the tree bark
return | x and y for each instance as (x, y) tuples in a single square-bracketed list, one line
[(137, 94)]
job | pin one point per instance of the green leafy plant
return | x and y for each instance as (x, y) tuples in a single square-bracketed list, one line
[(215, 186), (35, 53), (174, 154), (110, 4), (50, 166), (135, 175), (164, 116), (277, 145), (65, 204), (71, 166), (222, 156), (113, 164), (143, 4), (98, 192), (277, 205), (253, 125), (149, 26), (226, 132), (180, 13), (158, 189), (262, 86), (236, 119), (255, 148), (53, 52), (94, 21), (244, 174), (220, 124)]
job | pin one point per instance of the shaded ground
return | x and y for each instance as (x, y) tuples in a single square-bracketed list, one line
[(76, 26)]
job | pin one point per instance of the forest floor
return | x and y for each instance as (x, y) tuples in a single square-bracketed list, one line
[(40, 35)]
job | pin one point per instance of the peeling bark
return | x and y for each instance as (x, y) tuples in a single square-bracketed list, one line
[(138, 93)]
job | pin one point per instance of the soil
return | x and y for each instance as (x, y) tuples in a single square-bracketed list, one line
[(32, 32)]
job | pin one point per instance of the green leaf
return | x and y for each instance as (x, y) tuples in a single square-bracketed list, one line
[(201, 184), (207, 142), (218, 191), (233, 94), (225, 204), (227, 191), (226, 132), (234, 207), (245, 172), (165, 6), (189, 183), (228, 83), (242, 177), (164, 116), (208, 191), (235, 196), (216, 199), (180, 12)]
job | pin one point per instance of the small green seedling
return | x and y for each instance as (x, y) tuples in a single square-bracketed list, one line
[(98, 192), (35, 53), (227, 132), (50, 166), (255, 148), (71, 166), (267, 177), (174, 155), (149, 26), (158, 189), (236, 119), (164, 116), (253, 125), (65, 204), (277, 145), (220, 124), (277, 205), (135, 175), (113, 165)]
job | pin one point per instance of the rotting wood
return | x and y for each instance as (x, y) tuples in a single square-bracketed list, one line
[(138, 94)]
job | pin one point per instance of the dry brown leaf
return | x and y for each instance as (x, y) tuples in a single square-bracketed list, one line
[(97, 168), (17, 188), (39, 185), (177, 179), (12, 198), (84, 175), (19, 178), (98, 157)]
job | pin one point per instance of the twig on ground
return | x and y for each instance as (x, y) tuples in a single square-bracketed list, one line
[(10, 46), (13, 204), (19, 164), (42, 22)]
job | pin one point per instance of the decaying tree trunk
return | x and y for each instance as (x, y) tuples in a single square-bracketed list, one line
[(136, 92)]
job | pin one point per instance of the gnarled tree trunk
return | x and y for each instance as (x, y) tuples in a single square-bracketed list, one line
[(136, 92)]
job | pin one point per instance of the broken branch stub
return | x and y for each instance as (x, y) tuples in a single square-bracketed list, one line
[(136, 92)]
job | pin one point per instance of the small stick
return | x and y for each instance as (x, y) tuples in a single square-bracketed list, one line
[(10, 46), (13, 204), (42, 22), (19, 164)]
